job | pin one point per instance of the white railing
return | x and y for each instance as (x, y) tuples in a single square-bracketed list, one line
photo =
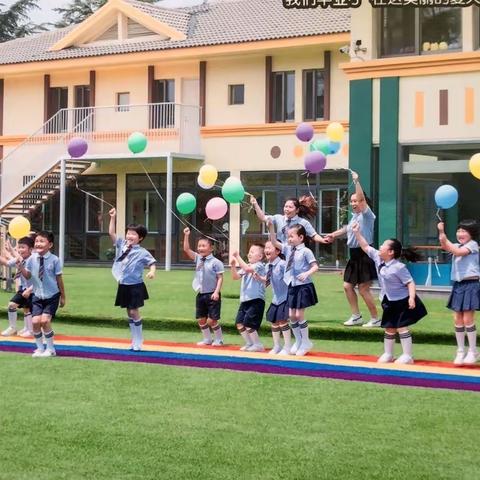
[(169, 127)]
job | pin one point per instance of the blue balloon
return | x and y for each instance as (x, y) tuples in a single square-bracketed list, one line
[(446, 196), (333, 147)]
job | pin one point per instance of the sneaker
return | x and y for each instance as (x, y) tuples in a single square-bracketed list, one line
[(305, 347), (25, 334), (38, 353), (275, 350), (204, 342), (353, 321), (295, 347), (217, 343), (459, 357), (471, 358), (49, 353), (9, 332), (285, 351), (385, 358), (374, 322), (404, 359), (246, 347), (256, 347)]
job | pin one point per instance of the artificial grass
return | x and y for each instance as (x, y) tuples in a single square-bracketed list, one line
[(75, 419)]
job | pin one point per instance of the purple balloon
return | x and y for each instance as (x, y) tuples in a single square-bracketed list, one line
[(304, 132), (77, 147), (315, 162)]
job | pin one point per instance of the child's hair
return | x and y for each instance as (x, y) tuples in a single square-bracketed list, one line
[(206, 239), (28, 241), (471, 226), (306, 205), (259, 245), (409, 254), (139, 229), (300, 231), (46, 234), (276, 248)]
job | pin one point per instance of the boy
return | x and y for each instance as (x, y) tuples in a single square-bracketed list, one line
[(45, 271), (252, 296), (207, 283)]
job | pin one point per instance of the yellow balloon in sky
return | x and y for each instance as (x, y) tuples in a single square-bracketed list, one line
[(335, 132), (19, 227), (474, 165), (208, 175)]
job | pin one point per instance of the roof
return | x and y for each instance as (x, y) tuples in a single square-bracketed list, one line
[(214, 23)]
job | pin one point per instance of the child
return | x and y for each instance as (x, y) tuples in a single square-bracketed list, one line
[(277, 313), (130, 260), (207, 283), (23, 297), (45, 271), (252, 296), (300, 264), (401, 306), (464, 299)]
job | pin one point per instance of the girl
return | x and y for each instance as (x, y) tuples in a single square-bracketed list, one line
[(294, 212), (277, 313), (360, 269), (465, 296), (300, 264), (130, 260), (401, 306)]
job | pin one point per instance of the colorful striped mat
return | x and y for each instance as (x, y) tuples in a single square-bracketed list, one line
[(359, 368)]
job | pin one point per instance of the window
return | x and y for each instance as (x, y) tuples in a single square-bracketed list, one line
[(236, 94), (57, 100), (162, 114), (83, 115), (283, 96), (313, 94), (123, 102), (420, 31), (94, 212)]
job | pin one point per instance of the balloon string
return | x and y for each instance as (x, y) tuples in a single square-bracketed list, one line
[(93, 196), (438, 215)]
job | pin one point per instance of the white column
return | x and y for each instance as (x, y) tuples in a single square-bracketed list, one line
[(168, 215), (61, 223)]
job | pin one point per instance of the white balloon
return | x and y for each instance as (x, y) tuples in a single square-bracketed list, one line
[(205, 186)]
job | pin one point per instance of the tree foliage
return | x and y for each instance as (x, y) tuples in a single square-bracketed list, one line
[(15, 21)]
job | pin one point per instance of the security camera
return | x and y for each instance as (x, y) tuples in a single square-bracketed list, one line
[(345, 49)]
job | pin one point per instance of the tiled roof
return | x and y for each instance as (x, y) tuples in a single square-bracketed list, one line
[(215, 23)]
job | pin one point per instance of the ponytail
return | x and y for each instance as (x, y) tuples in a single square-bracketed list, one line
[(409, 254)]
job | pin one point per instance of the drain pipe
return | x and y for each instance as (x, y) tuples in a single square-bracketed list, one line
[(61, 222)]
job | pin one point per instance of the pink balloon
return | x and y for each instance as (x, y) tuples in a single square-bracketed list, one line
[(216, 208)]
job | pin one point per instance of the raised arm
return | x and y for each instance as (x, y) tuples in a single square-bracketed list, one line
[(447, 245), (112, 226), (359, 190), (186, 244), (361, 241), (233, 269), (260, 213), (241, 262), (273, 236)]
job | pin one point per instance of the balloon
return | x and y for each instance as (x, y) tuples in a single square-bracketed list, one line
[(208, 175), (304, 132), (446, 196), (321, 145), (315, 162), (204, 185), (232, 190), (137, 142), (474, 165), (77, 147), (19, 227), (335, 132), (216, 208), (186, 203), (333, 147)]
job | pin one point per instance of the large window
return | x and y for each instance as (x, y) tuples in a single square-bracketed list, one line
[(313, 95), (57, 100), (415, 31), (83, 115), (283, 96)]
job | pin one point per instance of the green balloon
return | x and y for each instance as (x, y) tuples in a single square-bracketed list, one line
[(232, 190), (186, 203), (137, 142), (322, 145)]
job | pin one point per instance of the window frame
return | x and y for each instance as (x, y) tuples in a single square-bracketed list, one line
[(231, 93), (284, 75), (315, 72), (122, 107)]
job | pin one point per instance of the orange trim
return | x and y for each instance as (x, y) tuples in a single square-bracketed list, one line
[(419, 109), (469, 105), (413, 66), (261, 129), (146, 58), (12, 140)]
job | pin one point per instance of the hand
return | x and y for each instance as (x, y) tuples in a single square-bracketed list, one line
[(253, 200), (235, 254), (62, 302), (411, 303), (329, 237), (186, 231), (441, 227), (354, 176), (151, 275), (26, 293), (302, 277), (269, 223), (112, 212), (18, 260), (355, 227), (326, 239), (233, 263), (215, 296)]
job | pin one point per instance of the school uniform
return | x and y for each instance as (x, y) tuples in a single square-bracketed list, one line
[(252, 298), (360, 268), (394, 277), (298, 260), (25, 283), (465, 294), (204, 283), (278, 309), (282, 224), (128, 267)]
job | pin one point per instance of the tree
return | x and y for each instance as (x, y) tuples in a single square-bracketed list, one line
[(15, 21), (78, 10)]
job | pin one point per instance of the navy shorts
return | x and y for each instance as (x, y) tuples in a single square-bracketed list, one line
[(206, 307), (48, 306), (21, 301), (250, 313)]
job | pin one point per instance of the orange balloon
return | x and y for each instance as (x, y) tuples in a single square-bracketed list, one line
[(298, 151)]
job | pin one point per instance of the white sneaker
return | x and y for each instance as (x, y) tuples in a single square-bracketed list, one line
[(459, 357), (217, 343), (246, 347), (305, 347), (404, 359), (38, 353), (275, 350), (204, 342), (9, 332), (25, 334), (256, 347), (295, 347), (285, 351), (353, 321), (385, 358), (374, 322), (471, 358), (48, 353)]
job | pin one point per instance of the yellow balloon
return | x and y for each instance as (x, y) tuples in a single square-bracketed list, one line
[(474, 165), (208, 175), (335, 132), (19, 227)]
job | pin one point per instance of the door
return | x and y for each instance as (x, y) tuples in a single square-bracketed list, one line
[(190, 116)]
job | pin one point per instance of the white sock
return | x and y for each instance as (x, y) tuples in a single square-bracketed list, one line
[(296, 332), (243, 332), (217, 331), (12, 318), (207, 336), (27, 320), (131, 324), (49, 339), (389, 343), (138, 327), (276, 336), (287, 336), (472, 338), (254, 338), (39, 340), (460, 337), (406, 341), (304, 331)]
